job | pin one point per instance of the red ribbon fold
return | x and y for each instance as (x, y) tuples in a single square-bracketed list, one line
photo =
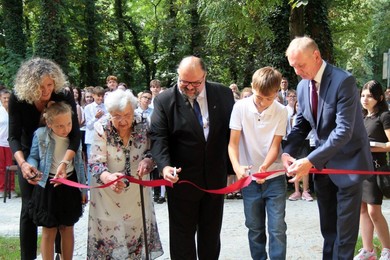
[(242, 183)]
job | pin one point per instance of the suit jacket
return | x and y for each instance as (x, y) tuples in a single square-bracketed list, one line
[(178, 139), (340, 136)]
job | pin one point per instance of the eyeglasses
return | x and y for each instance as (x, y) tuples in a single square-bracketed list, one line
[(148, 98), (292, 96), (121, 117), (195, 84)]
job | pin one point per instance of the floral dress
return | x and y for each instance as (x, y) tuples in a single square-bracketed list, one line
[(115, 228)]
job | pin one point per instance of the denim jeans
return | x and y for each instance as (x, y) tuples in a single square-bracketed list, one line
[(259, 199)]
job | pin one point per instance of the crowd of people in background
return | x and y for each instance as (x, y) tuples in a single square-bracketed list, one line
[(97, 135)]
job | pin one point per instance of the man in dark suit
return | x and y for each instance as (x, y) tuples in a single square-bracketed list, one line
[(190, 131), (341, 143)]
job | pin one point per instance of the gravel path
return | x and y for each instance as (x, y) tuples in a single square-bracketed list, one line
[(304, 240)]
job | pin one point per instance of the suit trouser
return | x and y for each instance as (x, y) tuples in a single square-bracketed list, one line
[(187, 218), (339, 217), (28, 230)]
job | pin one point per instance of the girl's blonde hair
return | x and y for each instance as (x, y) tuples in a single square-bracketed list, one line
[(30, 75), (55, 109)]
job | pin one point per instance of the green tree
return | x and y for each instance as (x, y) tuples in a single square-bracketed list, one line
[(52, 38)]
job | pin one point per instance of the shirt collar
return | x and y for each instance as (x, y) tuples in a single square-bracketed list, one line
[(319, 74)]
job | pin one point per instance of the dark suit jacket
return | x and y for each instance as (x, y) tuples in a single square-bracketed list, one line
[(178, 139), (341, 141)]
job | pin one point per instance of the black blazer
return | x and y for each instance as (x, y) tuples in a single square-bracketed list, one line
[(178, 140)]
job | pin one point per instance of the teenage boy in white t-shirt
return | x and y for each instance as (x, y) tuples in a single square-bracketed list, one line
[(258, 125)]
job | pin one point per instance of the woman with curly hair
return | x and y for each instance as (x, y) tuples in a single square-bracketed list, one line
[(38, 82)]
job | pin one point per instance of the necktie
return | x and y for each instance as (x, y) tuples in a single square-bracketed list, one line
[(314, 99), (197, 112)]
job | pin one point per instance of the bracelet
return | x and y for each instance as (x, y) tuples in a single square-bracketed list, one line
[(21, 165), (66, 162)]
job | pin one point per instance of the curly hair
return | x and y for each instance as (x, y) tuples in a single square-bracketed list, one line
[(30, 75)]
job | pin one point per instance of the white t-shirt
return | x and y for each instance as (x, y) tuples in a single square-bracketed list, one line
[(3, 127), (90, 111), (257, 132)]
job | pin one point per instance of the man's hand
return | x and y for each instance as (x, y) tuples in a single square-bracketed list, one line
[(298, 169), (171, 173)]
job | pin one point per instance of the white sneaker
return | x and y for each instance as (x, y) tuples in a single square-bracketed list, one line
[(385, 255), (365, 255)]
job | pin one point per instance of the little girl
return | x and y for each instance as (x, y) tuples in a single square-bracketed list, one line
[(56, 206)]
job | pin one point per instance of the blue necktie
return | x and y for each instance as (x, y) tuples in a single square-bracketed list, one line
[(197, 112)]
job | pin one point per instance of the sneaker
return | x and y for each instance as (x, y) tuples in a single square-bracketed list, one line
[(295, 196), (365, 255), (385, 255), (306, 196)]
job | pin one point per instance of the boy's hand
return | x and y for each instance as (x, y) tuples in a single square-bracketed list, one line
[(243, 171)]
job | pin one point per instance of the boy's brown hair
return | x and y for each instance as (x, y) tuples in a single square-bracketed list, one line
[(266, 81), (98, 91), (111, 77)]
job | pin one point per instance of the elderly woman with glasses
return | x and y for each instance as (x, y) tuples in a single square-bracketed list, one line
[(120, 147)]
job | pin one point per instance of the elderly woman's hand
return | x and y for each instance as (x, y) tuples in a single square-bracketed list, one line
[(117, 186), (145, 167)]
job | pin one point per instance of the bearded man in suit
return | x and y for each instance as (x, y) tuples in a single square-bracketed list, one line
[(329, 103), (190, 132)]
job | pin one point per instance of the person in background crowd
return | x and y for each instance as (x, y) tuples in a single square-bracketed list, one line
[(304, 151), (258, 125), (122, 86), (121, 147), (246, 92), (77, 97), (236, 92), (5, 151), (155, 88), (92, 113), (340, 144), (145, 111), (112, 82), (190, 134), (88, 96), (56, 207), (387, 97), (284, 90), (37, 82), (377, 122)]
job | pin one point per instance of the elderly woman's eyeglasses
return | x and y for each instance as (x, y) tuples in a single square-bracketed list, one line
[(121, 117)]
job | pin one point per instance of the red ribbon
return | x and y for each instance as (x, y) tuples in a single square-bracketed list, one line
[(242, 183)]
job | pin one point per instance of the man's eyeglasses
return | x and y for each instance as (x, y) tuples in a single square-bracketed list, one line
[(195, 84), (148, 98), (292, 96)]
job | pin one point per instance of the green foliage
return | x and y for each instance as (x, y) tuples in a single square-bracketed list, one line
[(145, 39), (9, 64)]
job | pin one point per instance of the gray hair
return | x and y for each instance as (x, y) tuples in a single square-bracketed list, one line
[(303, 43), (118, 100), (30, 75)]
